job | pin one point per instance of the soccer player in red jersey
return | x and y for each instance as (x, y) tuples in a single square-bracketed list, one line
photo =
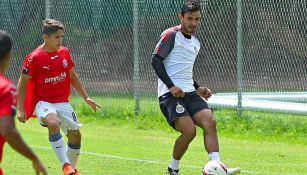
[(44, 88), (8, 131)]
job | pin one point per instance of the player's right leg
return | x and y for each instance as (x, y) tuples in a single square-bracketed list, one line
[(186, 127), (47, 116), (177, 116)]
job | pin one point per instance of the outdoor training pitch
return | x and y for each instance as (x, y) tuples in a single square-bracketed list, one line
[(123, 150)]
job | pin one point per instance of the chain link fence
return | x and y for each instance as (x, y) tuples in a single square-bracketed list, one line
[(112, 41)]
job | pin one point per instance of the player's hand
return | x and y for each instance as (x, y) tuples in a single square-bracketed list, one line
[(39, 168), (92, 103), (204, 92), (177, 92), (21, 116)]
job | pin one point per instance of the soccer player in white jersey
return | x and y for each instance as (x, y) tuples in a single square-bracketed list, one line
[(180, 96)]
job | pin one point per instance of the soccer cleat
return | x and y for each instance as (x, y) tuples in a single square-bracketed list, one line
[(77, 172), (171, 171), (68, 170), (233, 171)]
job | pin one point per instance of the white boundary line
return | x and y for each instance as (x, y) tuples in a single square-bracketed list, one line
[(146, 160)]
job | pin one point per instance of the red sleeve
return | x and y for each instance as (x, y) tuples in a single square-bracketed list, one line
[(28, 65), (29, 104), (70, 62), (8, 102), (166, 43)]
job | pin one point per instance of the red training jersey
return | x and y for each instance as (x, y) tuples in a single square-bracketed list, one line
[(7, 104), (50, 78)]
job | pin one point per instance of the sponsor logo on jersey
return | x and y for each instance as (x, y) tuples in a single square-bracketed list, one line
[(56, 79)]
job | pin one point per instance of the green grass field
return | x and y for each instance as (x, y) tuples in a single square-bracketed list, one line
[(115, 141)]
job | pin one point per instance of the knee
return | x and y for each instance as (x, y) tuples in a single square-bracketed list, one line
[(212, 122), (209, 125), (190, 132), (53, 125), (78, 135), (74, 137)]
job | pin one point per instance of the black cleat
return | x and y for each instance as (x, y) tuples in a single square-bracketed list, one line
[(171, 171)]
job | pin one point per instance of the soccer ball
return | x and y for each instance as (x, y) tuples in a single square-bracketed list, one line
[(214, 168)]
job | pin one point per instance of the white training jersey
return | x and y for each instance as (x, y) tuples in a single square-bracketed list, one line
[(179, 55)]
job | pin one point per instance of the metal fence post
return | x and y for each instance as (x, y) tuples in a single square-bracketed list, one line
[(239, 57), (136, 66), (47, 9)]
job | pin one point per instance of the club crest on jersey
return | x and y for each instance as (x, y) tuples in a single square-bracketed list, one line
[(45, 110), (65, 63), (179, 108)]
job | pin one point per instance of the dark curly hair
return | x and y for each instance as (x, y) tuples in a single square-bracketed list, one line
[(5, 44), (190, 6)]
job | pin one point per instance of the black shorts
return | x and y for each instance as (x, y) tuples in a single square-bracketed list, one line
[(173, 108)]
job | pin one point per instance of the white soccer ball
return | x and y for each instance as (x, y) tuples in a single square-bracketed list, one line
[(214, 168)]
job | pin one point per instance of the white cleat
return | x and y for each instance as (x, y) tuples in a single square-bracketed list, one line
[(233, 171)]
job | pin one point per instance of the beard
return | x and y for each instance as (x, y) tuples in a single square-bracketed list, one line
[(190, 29)]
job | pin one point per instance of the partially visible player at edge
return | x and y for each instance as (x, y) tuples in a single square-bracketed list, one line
[(8, 131), (180, 96), (44, 87)]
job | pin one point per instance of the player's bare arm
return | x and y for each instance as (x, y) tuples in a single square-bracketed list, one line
[(12, 136), (21, 89), (76, 83)]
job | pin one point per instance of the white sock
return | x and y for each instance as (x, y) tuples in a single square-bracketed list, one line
[(58, 146), (174, 164), (73, 152), (214, 156)]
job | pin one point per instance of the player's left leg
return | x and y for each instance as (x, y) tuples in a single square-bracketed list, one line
[(73, 147), (204, 119), (70, 126)]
